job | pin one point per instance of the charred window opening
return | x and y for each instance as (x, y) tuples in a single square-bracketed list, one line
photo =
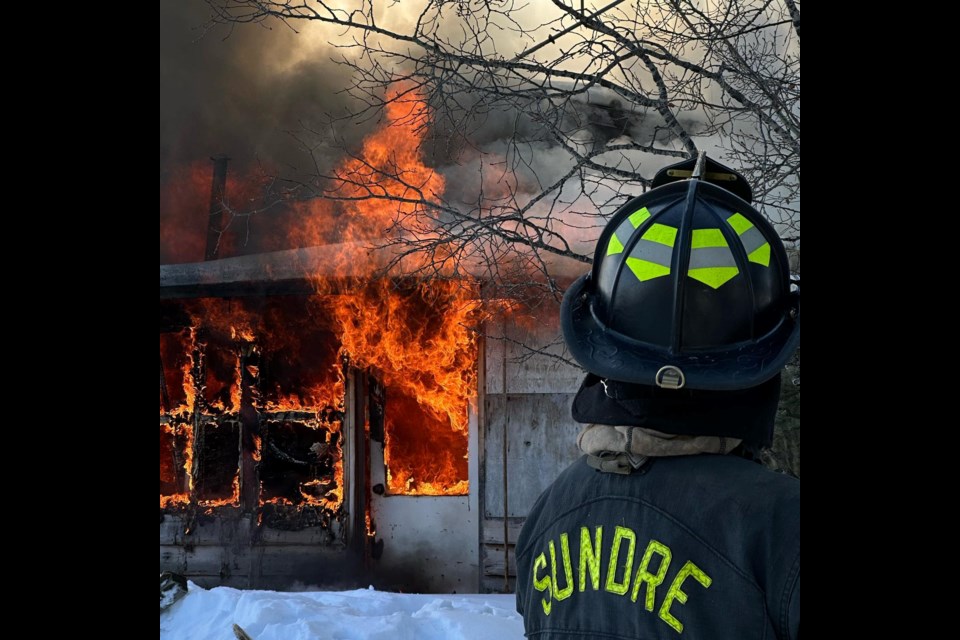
[(216, 471), (176, 406), (174, 463), (255, 384), (220, 364), (423, 452), (301, 467), (425, 404), (168, 462), (175, 350), (252, 397)]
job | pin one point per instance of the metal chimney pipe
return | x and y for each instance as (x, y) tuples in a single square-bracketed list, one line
[(217, 192)]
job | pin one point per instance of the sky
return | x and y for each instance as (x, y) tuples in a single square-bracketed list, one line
[(363, 614)]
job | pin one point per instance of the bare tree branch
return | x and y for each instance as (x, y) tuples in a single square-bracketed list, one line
[(544, 118)]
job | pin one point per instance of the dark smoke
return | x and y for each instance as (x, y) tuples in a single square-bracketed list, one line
[(236, 91), (231, 91), (249, 93)]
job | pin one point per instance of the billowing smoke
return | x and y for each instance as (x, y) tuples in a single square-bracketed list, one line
[(507, 151), (262, 94), (259, 95), (243, 91)]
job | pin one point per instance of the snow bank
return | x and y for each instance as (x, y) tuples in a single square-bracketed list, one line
[(342, 615)]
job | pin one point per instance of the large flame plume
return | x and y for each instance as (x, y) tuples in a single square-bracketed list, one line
[(417, 337), (414, 335)]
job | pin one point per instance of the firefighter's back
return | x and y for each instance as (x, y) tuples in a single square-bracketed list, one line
[(703, 546)]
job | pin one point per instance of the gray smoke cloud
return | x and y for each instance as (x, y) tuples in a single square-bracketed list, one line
[(509, 147), (243, 91), (240, 91)]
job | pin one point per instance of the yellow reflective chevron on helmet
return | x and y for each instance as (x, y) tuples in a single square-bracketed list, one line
[(636, 219), (761, 255), (661, 233), (638, 216), (646, 270), (739, 223), (615, 246), (650, 257), (711, 261), (756, 246), (703, 238)]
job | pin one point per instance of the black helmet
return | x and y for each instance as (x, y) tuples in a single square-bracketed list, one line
[(690, 288)]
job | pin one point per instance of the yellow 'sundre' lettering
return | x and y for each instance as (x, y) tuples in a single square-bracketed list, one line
[(619, 535), (590, 557), (558, 593), (651, 571), (542, 584), (653, 580), (674, 592)]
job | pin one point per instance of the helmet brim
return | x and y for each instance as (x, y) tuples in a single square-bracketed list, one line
[(611, 355)]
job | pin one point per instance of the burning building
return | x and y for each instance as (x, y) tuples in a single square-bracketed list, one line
[(325, 420)]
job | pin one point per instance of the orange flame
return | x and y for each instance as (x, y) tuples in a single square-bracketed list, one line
[(176, 356), (307, 379), (418, 338), (257, 448), (168, 473), (185, 203), (415, 337), (231, 500)]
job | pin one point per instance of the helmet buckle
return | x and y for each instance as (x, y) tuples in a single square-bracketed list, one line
[(670, 377)]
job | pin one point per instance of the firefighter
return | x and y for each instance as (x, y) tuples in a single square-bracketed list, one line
[(667, 527)]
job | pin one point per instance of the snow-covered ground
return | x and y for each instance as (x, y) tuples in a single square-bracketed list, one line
[(362, 614)]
